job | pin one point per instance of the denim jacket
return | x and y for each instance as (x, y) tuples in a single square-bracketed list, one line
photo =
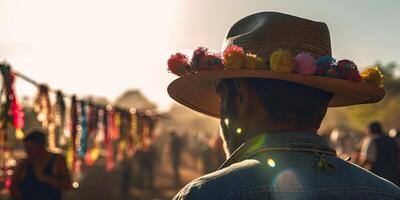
[(288, 166)]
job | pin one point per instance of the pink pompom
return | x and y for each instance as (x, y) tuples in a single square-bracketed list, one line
[(305, 64), (198, 54)]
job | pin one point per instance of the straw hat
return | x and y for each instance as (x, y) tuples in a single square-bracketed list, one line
[(271, 39)]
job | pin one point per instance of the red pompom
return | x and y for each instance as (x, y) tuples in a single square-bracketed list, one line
[(178, 64), (348, 70), (233, 48)]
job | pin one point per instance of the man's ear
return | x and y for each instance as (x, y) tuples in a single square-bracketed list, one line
[(242, 96)]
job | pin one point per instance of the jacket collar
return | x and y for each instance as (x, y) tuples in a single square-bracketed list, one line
[(289, 141)]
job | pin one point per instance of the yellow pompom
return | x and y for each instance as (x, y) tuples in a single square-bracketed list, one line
[(372, 75), (252, 61), (281, 61)]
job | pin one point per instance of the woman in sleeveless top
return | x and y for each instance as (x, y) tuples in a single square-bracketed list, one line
[(43, 175), (31, 188)]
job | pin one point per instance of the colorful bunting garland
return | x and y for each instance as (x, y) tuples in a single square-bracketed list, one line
[(123, 129)]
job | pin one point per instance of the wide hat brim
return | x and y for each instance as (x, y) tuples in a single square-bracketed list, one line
[(198, 90)]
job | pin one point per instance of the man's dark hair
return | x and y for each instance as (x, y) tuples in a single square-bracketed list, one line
[(288, 102), (36, 137), (375, 127)]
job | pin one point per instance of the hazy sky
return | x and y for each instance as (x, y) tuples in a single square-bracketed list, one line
[(103, 47)]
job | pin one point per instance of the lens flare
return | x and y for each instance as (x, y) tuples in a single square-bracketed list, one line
[(238, 130), (271, 162), (226, 121), (392, 133), (288, 177), (75, 184)]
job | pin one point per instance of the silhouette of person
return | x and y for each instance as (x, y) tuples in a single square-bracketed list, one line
[(176, 146), (380, 154), (42, 175)]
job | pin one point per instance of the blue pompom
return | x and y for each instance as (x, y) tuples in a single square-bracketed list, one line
[(325, 61)]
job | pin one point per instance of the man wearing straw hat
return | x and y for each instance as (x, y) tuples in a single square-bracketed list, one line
[(271, 89)]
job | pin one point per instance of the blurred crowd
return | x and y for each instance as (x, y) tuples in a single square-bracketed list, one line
[(174, 154), (374, 149), (201, 152)]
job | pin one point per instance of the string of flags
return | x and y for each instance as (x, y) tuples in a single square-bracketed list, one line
[(83, 130)]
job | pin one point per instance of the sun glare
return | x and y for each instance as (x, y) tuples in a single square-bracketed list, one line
[(271, 162)]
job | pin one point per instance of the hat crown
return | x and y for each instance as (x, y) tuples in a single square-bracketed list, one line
[(265, 32)]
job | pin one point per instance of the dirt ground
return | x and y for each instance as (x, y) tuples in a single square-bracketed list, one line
[(99, 184)]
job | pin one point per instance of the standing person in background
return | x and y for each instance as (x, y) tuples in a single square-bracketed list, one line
[(176, 146), (126, 175), (146, 156), (380, 154), (206, 155), (42, 175)]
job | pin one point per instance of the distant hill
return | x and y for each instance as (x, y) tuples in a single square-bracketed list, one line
[(181, 118)]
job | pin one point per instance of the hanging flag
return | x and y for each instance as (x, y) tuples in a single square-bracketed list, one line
[(73, 129), (59, 118), (94, 120), (16, 110), (43, 110), (134, 128), (42, 106), (117, 124), (84, 130), (5, 114), (108, 140)]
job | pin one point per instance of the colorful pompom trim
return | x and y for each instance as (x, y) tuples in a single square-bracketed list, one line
[(281, 61)]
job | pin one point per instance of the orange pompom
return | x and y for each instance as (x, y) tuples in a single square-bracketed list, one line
[(372, 75), (233, 57)]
